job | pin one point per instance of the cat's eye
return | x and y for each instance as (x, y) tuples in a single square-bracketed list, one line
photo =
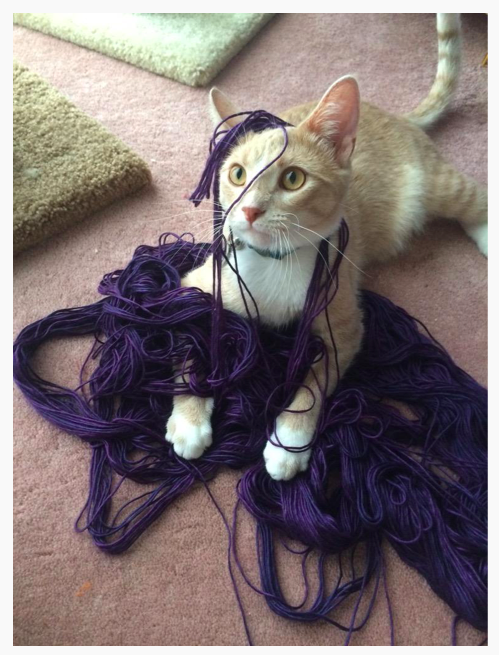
[(293, 179), (237, 175)]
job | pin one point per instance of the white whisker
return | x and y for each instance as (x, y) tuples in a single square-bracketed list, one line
[(290, 263), (323, 258), (327, 241)]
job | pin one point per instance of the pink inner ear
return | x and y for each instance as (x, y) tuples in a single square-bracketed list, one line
[(336, 117)]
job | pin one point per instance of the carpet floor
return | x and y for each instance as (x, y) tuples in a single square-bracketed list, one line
[(172, 587), (189, 48)]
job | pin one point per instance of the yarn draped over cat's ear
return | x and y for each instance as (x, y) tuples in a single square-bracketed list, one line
[(336, 117), (221, 107)]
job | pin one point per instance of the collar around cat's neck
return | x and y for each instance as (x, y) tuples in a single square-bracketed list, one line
[(237, 244), (269, 253)]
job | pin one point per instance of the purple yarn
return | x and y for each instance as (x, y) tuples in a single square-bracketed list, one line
[(419, 481)]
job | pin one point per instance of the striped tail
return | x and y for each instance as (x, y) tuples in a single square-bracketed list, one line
[(449, 63)]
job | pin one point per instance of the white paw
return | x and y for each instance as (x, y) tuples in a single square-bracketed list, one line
[(283, 464), (189, 427), (480, 235)]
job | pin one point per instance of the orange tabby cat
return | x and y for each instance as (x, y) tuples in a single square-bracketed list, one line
[(348, 159)]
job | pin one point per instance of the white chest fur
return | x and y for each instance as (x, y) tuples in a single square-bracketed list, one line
[(279, 286)]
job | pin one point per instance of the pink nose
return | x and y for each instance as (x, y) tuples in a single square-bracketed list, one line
[(252, 213)]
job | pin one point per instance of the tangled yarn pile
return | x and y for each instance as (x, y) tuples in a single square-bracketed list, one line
[(416, 477)]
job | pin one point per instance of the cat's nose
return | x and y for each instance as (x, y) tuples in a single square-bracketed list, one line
[(252, 213)]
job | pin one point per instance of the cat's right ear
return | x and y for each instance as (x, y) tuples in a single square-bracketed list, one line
[(221, 107)]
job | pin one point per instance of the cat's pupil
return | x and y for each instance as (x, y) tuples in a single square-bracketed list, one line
[(239, 173), (292, 177)]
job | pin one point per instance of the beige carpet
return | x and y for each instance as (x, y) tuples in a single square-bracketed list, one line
[(189, 48), (172, 588), (66, 165)]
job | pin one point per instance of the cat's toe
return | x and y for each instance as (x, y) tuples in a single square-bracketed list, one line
[(480, 235), (190, 439), (282, 464)]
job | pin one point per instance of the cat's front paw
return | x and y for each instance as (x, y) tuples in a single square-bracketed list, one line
[(282, 464), (189, 427)]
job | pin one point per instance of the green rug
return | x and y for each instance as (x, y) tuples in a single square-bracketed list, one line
[(189, 48), (66, 165)]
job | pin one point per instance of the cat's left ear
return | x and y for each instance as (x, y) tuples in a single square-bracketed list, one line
[(336, 117), (221, 107)]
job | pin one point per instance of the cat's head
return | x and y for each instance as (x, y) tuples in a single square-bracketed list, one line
[(299, 198)]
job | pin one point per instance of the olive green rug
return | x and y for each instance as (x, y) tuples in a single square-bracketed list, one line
[(189, 48), (66, 165)]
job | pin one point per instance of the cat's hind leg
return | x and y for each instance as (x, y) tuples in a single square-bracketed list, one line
[(450, 194)]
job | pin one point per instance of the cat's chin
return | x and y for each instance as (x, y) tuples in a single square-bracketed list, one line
[(256, 239)]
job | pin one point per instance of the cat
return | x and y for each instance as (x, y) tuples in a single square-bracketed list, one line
[(345, 158)]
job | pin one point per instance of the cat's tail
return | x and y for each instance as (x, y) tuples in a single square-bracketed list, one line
[(449, 63)]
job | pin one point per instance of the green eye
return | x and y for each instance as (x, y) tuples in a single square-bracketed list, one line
[(293, 179), (237, 175)]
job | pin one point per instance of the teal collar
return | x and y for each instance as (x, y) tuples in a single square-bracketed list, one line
[(237, 244), (269, 253)]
